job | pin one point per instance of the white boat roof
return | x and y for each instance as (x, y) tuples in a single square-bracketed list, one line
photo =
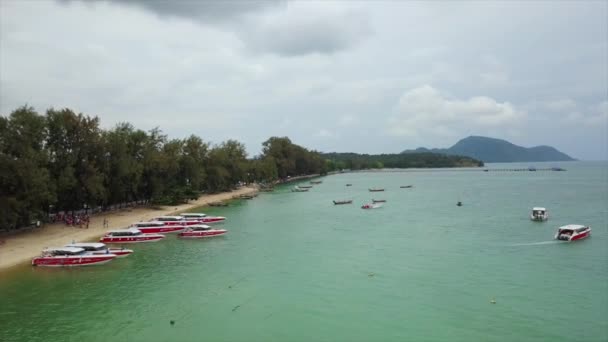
[(133, 230), (193, 214), (66, 249), (158, 223), (539, 209), (86, 244), (170, 217), (199, 226), (572, 226)]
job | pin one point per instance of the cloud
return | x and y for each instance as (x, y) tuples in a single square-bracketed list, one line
[(560, 105), (198, 10), (425, 110), (303, 28), (324, 133)]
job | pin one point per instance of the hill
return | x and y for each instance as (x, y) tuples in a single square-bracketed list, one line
[(492, 150)]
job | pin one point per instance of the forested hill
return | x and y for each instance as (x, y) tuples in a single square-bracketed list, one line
[(356, 161), (492, 150)]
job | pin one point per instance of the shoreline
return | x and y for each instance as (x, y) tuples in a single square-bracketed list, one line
[(21, 248)]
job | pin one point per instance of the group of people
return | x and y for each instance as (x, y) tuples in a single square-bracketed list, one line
[(80, 220)]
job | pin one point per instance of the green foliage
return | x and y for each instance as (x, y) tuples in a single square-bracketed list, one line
[(356, 161)]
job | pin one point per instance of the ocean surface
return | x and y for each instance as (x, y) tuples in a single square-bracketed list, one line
[(295, 267)]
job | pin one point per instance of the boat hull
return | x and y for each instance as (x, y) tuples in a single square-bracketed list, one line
[(539, 218), (200, 235), (575, 237), (162, 230), (63, 261), (132, 239)]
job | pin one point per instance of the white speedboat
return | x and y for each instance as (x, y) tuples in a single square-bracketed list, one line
[(539, 214)]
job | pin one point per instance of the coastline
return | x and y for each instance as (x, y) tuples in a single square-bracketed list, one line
[(21, 248)]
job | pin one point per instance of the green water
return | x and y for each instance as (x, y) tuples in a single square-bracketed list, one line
[(294, 267)]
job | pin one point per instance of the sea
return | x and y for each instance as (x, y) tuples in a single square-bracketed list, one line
[(296, 267)]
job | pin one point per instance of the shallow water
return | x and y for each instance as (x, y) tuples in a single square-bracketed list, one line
[(294, 267)]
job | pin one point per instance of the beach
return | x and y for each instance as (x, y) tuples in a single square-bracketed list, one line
[(21, 248)]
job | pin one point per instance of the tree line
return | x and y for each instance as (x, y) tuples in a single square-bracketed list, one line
[(354, 161), (63, 161)]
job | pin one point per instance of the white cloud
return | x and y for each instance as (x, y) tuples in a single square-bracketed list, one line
[(425, 110)]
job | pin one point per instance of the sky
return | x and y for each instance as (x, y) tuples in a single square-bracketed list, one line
[(345, 76)]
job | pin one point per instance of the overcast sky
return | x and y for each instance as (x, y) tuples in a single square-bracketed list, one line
[(365, 76)]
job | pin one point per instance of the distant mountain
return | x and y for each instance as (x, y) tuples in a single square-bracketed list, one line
[(492, 150)]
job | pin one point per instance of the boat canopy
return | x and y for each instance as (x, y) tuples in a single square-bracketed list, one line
[(573, 227), (95, 245), (539, 209), (193, 214), (125, 232), (148, 224), (64, 250), (168, 218)]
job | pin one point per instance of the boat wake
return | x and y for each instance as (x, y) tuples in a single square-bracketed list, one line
[(550, 242)]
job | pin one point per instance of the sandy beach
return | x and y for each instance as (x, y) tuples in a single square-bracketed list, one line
[(21, 248)]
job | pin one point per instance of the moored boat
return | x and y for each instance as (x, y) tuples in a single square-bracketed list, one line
[(371, 206), (201, 231), (157, 227), (70, 256), (539, 214), (572, 232), (129, 235), (202, 218), (316, 182), (173, 221), (305, 186), (343, 202), (98, 248), (298, 189), (376, 189)]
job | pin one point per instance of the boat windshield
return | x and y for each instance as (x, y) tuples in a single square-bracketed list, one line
[(582, 229)]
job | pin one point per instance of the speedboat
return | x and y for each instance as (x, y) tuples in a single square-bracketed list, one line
[(343, 202), (129, 235), (174, 221), (201, 231), (378, 200), (298, 189), (376, 189), (98, 248), (539, 214), (70, 256), (572, 232), (406, 186), (305, 186), (202, 218), (316, 182), (371, 206), (155, 227)]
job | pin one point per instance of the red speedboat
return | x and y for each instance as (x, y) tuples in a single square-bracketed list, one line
[(130, 235), (174, 221), (98, 248), (201, 231), (155, 227), (202, 218), (70, 256), (572, 232)]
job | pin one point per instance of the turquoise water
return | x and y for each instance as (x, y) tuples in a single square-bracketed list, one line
[(294, 267)]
